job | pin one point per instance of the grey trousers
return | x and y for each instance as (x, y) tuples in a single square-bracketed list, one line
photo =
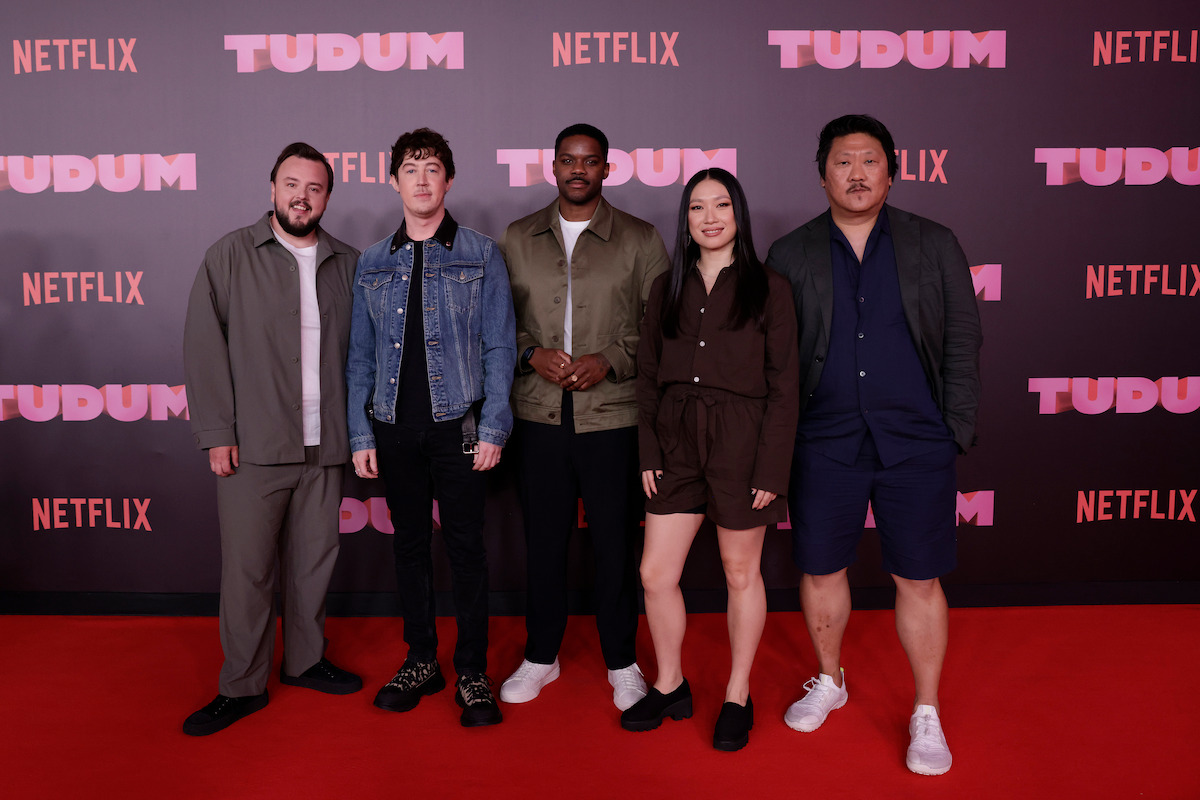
[(289, 511)]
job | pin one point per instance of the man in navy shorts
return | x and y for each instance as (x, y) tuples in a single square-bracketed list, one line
[(889, 341)]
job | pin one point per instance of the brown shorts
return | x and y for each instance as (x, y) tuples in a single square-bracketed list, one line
[(709, 442)]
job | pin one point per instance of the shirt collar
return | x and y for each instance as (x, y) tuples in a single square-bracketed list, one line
[(444, 235), (882, 226)]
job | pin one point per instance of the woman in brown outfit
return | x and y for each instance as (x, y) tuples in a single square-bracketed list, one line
[(718, 399)]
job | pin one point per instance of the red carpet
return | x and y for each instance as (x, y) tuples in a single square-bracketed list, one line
[(1092, 702)]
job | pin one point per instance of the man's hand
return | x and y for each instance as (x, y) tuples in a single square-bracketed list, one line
[(487, 457), (585, 372), (223, 461), (550, 364), (365, 465)]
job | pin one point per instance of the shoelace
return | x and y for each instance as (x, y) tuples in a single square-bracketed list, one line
[(928, 732), (476, 689), (410, 676), (817, 692), (525, 671), (626, 680)]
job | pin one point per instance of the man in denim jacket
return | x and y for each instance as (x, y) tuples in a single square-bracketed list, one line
[(432, 354)]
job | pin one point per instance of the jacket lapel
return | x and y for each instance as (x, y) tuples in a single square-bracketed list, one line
[(906, 239), (820, 261)]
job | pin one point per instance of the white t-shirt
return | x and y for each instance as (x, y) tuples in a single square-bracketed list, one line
[(310, 342), (570, 232)]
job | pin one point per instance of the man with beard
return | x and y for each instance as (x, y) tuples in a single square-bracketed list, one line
[(889, 342), (581, 272), (264, 354)]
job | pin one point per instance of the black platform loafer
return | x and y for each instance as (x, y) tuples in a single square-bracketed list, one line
[(733, 726), (649, 712)]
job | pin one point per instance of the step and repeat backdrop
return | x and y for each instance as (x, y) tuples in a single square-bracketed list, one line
[(1060, 141)]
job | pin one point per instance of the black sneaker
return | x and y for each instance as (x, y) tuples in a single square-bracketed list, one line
[(414, 680), (223, 712), (324, 677), (474, 696)]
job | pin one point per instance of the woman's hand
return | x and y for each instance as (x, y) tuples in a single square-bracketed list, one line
[(648, 481)]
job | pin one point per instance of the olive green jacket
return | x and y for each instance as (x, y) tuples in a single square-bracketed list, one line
[(616, 259)]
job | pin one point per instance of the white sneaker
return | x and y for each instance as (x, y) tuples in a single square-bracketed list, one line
[(807, 713), (527, 682), (928, 753), (628, 684)]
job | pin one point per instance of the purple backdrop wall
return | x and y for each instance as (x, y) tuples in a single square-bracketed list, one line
[(1061, 142)]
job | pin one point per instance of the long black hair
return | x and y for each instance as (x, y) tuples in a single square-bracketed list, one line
[(750, 299)]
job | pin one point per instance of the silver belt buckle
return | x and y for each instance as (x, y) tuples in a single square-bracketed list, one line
[(470, 449)]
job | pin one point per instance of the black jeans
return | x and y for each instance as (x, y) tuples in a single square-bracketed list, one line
[(419, 464), (557, 466)]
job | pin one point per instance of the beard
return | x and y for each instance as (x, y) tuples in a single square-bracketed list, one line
[(299, 231)]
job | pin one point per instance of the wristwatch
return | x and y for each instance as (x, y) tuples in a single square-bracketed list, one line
[(528, 354)]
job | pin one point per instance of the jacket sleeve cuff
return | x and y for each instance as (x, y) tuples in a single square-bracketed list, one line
[(206, 440)]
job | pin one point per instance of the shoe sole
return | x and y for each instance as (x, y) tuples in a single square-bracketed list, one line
[(472, 721), (733, 745), (431, 686), (809, 729), (209, 728), (322, 686), (680, 709), (514, 698), (479, 717), (921, 769)]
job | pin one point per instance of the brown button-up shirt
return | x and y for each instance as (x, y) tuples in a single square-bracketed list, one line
[(708, 353)]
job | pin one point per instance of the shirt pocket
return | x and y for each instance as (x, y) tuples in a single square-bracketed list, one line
[(376, 290), (462, 287)]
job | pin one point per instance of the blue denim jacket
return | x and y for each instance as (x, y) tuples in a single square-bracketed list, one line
[(471, 341)]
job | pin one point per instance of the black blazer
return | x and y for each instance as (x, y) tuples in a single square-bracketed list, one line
[(939, 307)]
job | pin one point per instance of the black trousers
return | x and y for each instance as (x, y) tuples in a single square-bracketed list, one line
[(419, 464), (558, 466)]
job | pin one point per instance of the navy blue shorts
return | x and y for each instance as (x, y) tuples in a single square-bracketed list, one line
[(914, 504)]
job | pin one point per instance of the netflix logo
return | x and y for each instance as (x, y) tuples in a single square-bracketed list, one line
[(122, 513), (1116, 280), (655, 48), (1120, 47), (1106, 504), (38, 55), (82, 287)]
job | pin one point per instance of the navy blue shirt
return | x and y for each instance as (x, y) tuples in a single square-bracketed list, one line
[(872, 382)]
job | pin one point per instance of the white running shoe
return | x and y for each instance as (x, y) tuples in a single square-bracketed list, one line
[(527, 682), (807, 713), (628, 684), (928, 753)]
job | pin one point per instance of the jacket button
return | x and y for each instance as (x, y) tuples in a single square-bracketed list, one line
[(558, 299), (820, 359), (396, 345)]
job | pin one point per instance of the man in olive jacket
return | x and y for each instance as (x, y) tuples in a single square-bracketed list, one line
[(264, 356), (580, 272)]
